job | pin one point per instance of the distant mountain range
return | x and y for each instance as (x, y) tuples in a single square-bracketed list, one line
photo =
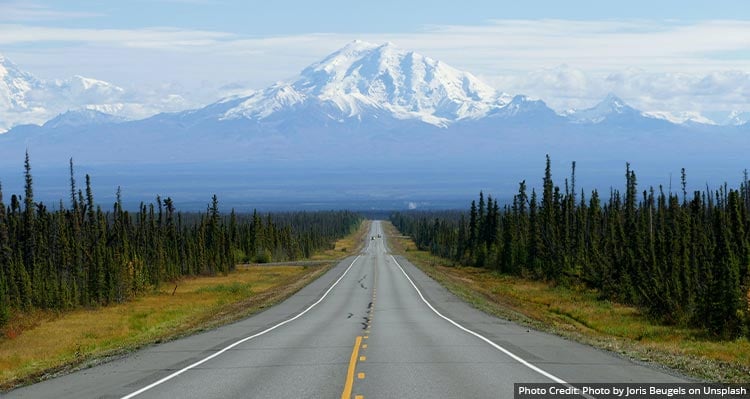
[(25, 99), (361, 81), (364, 104)]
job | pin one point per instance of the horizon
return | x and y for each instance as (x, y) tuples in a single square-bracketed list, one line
[(328, 188), (698, 57)]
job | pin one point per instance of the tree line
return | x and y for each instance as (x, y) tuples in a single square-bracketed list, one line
[(683, 258), (81, 255)]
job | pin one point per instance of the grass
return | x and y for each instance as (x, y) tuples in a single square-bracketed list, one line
[(345, 246), (27, 352), (576, 313), (38, 344)]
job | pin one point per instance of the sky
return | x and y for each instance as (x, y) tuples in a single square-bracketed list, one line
[(664, 55)]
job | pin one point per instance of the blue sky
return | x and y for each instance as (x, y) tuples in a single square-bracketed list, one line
[(384, 16), (658, 55)]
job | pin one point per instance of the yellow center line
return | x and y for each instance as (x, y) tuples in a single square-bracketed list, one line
[(347, 394)]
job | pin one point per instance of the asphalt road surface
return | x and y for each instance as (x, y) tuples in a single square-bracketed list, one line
[(373, 327)]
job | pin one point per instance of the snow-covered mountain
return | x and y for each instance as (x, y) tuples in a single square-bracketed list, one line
[(737, 118), (361, 83), (379, 97), (370, 84), (613, 109), (524, 108), (82, 117), (685, 117), (339, 124), (25, 99), (16, 87), (364, 79), (730, 118), (609, 109)]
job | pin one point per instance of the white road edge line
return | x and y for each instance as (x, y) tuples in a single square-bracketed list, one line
[(198, 363), (496, 346)]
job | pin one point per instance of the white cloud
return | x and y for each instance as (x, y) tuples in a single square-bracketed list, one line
[(565, 88), (163, 38), (504, 45), (26, 12)]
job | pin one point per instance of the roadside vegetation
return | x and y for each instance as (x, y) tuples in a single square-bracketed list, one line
[(87, 336), (103, 282), (679, 259), (578, 313), (27, 350), (80, 256)]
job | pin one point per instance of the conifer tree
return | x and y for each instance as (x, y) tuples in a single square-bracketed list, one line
[(682, 261), (7, 279), (29, 233)]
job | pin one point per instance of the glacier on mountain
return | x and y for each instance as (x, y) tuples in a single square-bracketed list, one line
[(363, 77)]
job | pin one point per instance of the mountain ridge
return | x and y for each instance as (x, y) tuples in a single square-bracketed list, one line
[(26, 99), (404, 128), (393, 102), (359, 80), (363, 77)]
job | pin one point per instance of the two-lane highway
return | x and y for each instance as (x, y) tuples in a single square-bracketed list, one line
[(373, 327)]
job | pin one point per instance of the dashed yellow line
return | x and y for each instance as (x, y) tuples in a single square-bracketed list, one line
[(347, 394), (357, 345)]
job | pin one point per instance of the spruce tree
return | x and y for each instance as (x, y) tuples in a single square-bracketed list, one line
[(29, 232), (473, 228), (8, 288)]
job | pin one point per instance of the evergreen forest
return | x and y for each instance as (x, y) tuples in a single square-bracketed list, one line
[(79, 255), (681, 257)]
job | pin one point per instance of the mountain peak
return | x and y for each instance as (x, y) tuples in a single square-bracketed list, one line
[(15, 87), (6, 63), (25, 99), (524, 106), (354, 46), (522, 98), (386, 78), (81, 117), (82, 84), (609, 107), (613, 102), (9, 70)]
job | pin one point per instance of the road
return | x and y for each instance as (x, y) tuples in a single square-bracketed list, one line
[(374, 326)]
